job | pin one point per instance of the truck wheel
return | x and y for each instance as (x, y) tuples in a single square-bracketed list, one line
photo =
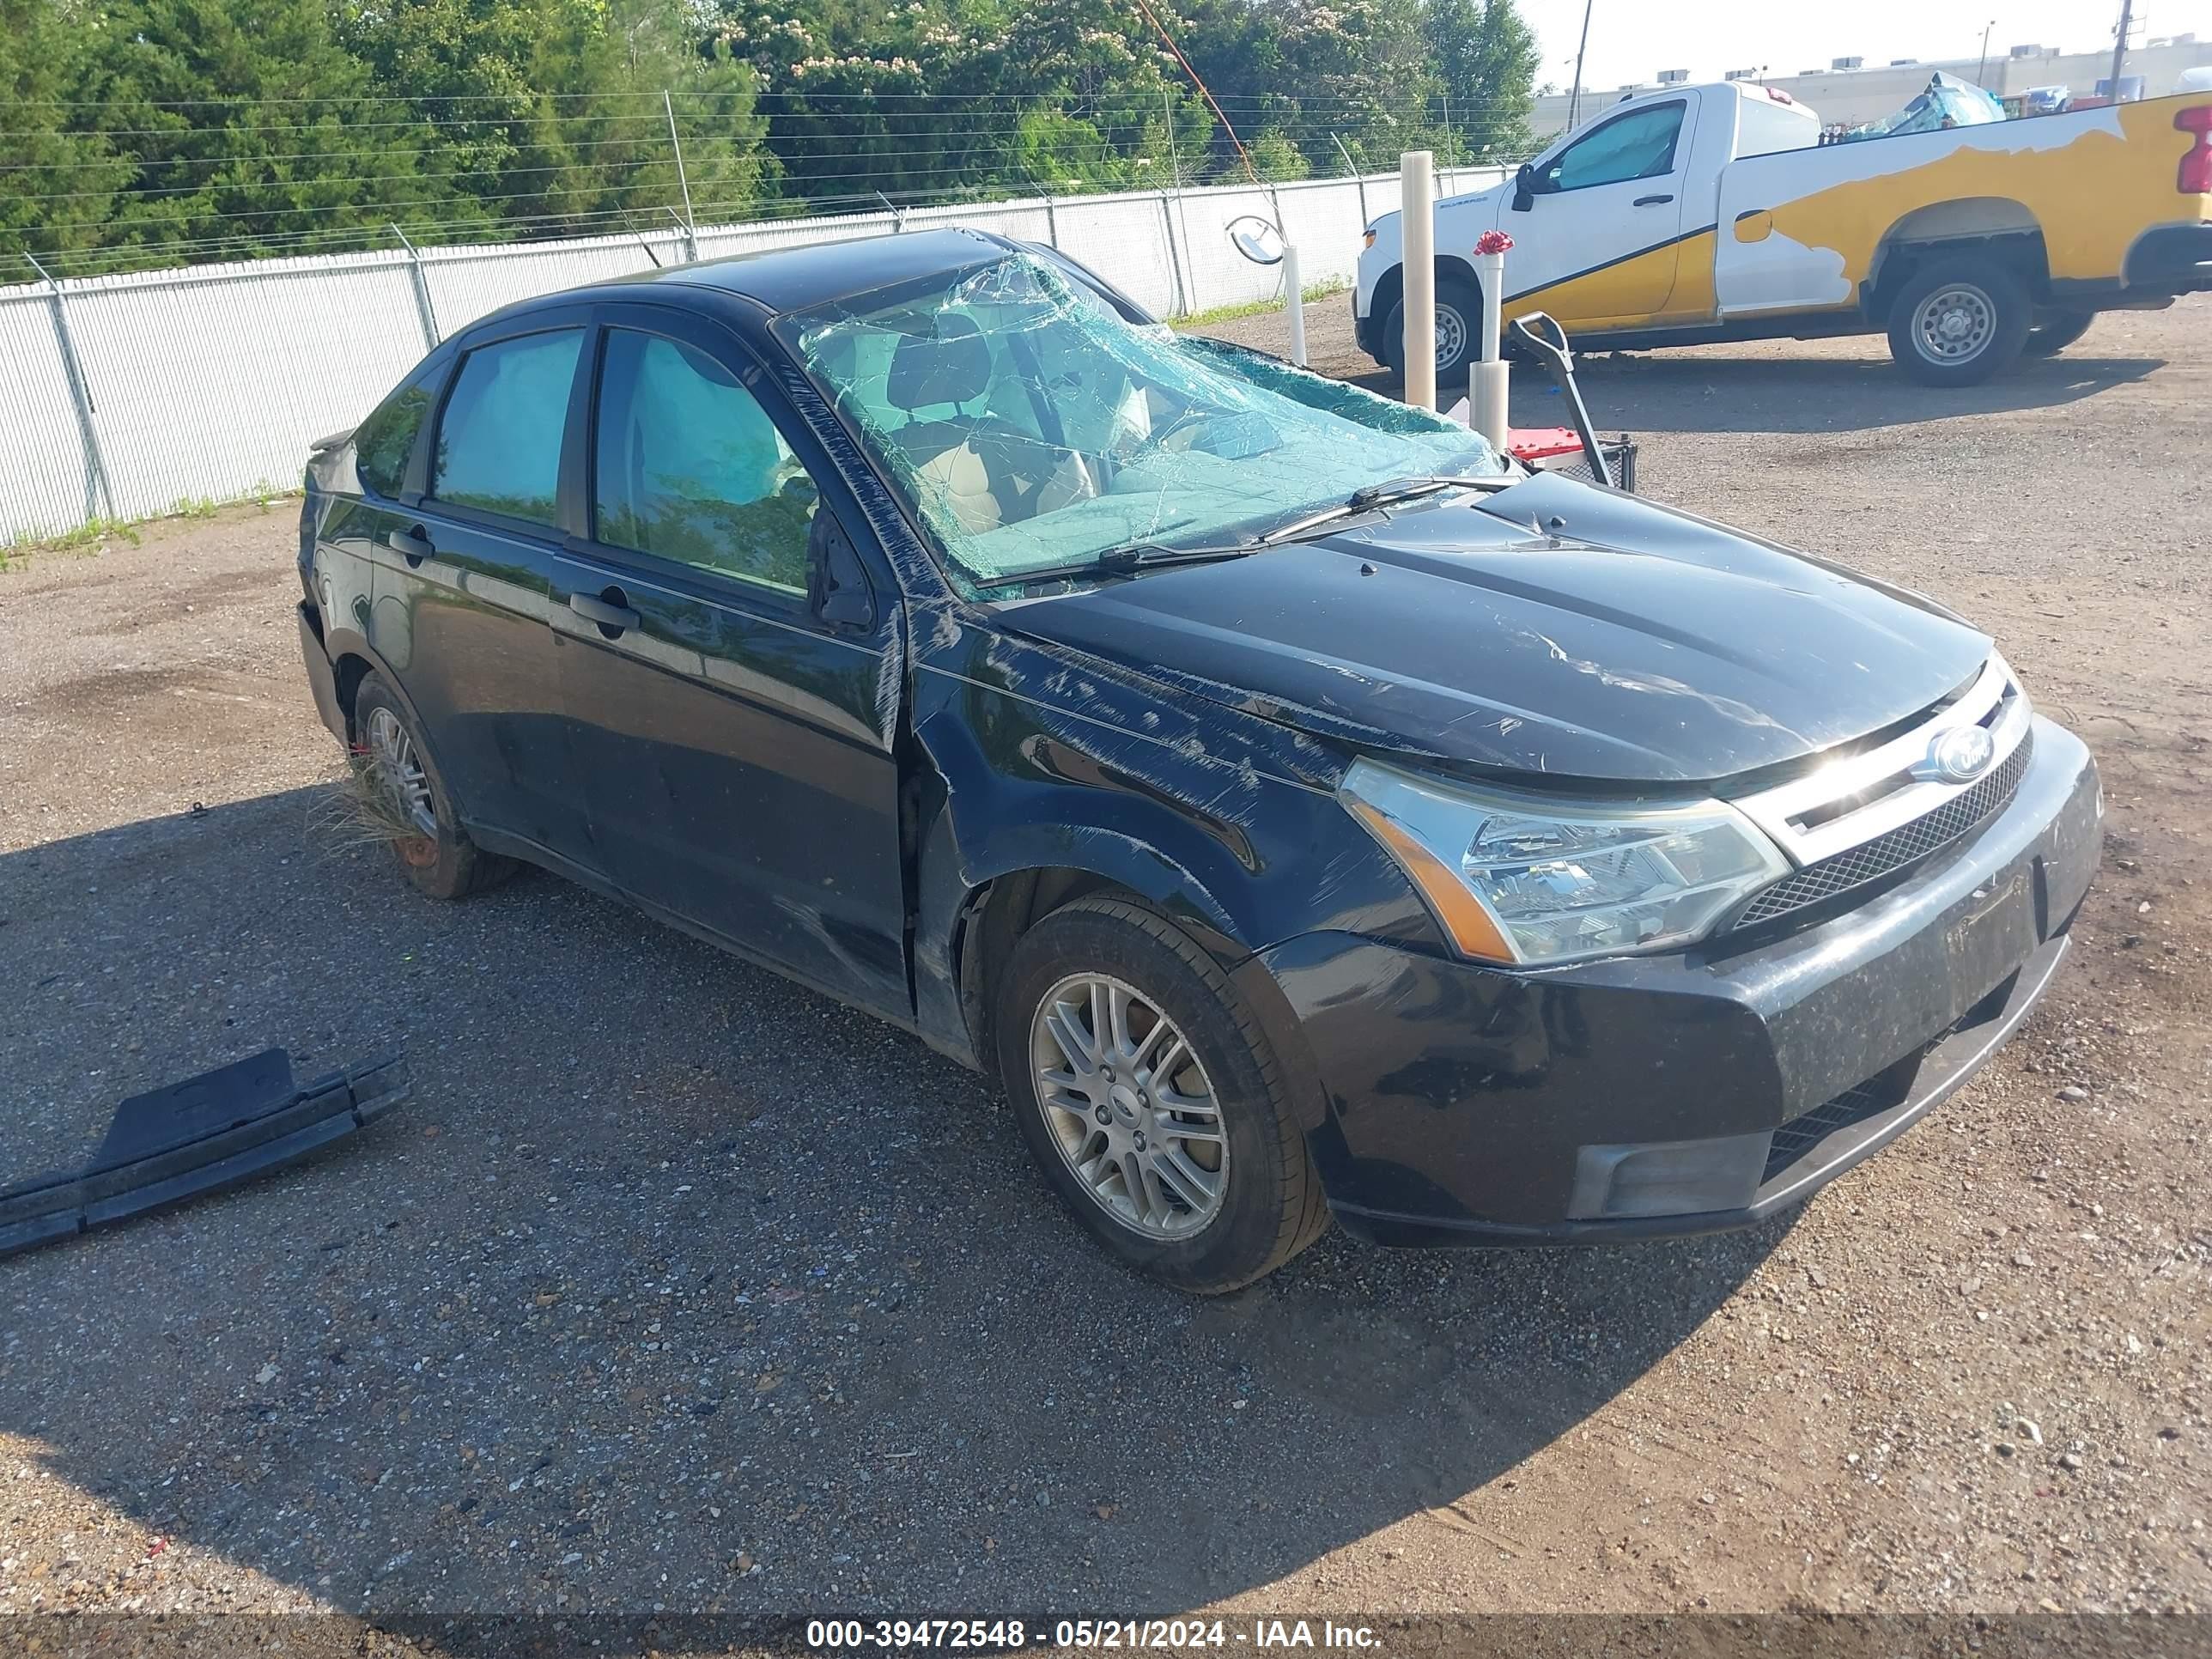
[(407, 800), (2059, 330), (1958, 321), (1149, 1096), (1459, 316)]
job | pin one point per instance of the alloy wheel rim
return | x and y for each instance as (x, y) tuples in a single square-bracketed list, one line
[(1129, 1106), (1451, 335), (398, 773), (1955, 325)]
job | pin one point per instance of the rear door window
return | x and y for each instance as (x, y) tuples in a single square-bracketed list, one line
[(499, 440)]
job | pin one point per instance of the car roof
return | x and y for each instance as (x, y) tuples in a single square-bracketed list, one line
[(801, 278), (777, 281)]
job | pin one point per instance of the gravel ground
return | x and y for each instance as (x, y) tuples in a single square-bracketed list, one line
[(675, 1287)]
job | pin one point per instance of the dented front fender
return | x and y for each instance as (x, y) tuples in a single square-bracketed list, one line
[(1045, 758)]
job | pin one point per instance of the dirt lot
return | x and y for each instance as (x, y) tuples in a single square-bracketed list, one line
[(675, 1287)]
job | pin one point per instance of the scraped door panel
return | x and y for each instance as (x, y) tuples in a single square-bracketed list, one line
[(737, 755)]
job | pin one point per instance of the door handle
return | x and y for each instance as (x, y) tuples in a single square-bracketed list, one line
[(610, 609), (1650, 201), (410, 544)]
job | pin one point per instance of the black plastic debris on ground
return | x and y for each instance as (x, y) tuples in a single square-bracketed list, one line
[(199, 1136)]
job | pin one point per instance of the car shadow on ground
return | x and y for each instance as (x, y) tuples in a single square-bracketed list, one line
[(1702, 391), (676, 1286)]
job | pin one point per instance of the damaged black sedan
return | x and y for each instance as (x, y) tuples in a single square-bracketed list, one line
[(1302, 809)]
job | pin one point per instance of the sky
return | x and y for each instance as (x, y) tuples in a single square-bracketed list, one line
[(1634, 39)]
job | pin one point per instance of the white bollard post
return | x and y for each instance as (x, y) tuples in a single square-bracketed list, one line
[(1297, 292), (1417, 214), (1486, 393)]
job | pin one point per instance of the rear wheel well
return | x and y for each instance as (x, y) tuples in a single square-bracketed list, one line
[(2000, 232), (351, 671)]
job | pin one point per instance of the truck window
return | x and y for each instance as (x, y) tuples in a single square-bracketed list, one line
[(1637, 145)]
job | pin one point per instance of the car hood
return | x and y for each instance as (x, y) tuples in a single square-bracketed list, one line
[(1548, 627)]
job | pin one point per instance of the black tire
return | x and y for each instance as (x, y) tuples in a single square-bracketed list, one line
[(1995, 293), (1271, 1206), (444, 865), (1462, 300), (2057, 331)]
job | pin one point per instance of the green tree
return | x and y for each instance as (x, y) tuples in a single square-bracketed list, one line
[(57, 185), (952, 98), (1486, 56), (1275, 158), (226, 129), (547, 114)]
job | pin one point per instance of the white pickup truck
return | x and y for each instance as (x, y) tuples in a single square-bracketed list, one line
[(1693, 215)]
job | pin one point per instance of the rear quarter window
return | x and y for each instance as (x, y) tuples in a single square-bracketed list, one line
[(382, 443)]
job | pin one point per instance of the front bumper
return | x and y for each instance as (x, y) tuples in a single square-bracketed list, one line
[(1362, 327), (1663, 1096)]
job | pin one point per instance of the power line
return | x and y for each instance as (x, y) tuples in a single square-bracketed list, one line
[(1307, 113), (1306, 123), (653, 154), (651, 95)]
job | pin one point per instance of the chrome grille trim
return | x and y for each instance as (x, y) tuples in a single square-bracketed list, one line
[(1891, 776), (1872, 861)]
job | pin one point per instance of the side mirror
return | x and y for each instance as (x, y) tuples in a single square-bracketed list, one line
[(836, 583), (1524, 188)]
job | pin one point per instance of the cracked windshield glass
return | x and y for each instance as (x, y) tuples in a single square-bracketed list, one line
[(1033, 428)]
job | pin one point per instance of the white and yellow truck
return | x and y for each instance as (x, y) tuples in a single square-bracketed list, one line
[(1699, 213)]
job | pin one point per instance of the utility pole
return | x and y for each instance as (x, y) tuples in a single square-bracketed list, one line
[(690, 225), (2120, 49), (1174, 159), (1575, 98), (1358, 178), (1982, 66)]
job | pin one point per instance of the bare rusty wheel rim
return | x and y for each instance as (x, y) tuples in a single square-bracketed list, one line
[(396, 772)]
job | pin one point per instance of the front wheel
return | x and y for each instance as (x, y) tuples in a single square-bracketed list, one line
[(1459, 320), (2059, 330), (1151, 1099), (1958, 321)]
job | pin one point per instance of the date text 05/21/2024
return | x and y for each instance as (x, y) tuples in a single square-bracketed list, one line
[(1000, 1635)]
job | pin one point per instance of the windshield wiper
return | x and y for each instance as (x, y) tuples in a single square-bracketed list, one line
[(1127, 561), (1368, 498), (1133, 556)]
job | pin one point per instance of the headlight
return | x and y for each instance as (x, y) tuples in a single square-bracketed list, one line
[(1530, 880)]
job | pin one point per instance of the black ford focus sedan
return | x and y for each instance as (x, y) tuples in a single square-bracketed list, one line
[(1303, 810)]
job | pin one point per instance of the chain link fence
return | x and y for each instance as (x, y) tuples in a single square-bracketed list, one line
[(128, 396)]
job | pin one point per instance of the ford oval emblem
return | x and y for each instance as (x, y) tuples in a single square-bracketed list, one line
[(1961, 754)]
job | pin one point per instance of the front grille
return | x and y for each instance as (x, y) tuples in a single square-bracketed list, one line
[(1800, 1135), (1871, 860)]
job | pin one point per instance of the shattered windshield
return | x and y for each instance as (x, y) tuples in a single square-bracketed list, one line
[(1032, 428)]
